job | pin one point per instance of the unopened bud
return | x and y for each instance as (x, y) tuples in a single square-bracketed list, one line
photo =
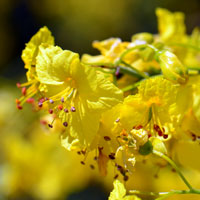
[(146, 37), (171, 67)]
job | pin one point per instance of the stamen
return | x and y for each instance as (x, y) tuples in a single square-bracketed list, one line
[(60, 107), (107, 138), (50, 125), (82, 163), (116, 176), (18, 85), (30, 100), (50, 111), (19, 107), (24, 91), (40, 104), (17, 101), (165, 136), (73, 109), (112, 156), (62, 100), (126, 178), (117, 120), (51, 101), (65, 124), (66, 110), (92, 167)]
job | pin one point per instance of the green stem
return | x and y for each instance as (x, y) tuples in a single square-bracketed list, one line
[(128, 69), (172, 163), (168, 194), (186, 46)]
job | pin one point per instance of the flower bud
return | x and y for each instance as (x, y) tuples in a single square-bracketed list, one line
[(171, 67), (146, 37)]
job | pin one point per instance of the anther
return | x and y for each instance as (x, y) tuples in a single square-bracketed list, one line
[(50, 125), (46, 98), (165, 136), (149, 135), (107, 138), (66, 110), (65, 124), (24, 91), (160, 133), (40, 104), (156, 127), (73, 109), (17, 101), (19, 107), (117, 71), (92, 166), (138, 127), (117, 120), (112, 156), (82, 163), (62, 100), (50, 111), (18, 85), (78, 152), (60, 107), (30, 100), (126, 178), (116, 176), (95, 158), (51, 101)]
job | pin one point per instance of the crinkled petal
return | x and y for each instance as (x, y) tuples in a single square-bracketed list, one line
[(30, 53)]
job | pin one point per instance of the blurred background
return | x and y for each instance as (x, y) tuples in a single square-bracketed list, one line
[(33, 165)]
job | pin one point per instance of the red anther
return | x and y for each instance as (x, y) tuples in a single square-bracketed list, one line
[(30, 100), (82, 163), (18, 85), (50, 126), (19, 107), (160, 133), (50, 111), (60, 107), (40, 104), (66, 110), (163, 129), (43, 122), (156, 127), (17, 101), (92, 167), (65, 124), (62, 100), (116, 176), (24, 91), (46, 98), (149, 135), (138, 127), (107, 138), (42, 100), (165, 136)]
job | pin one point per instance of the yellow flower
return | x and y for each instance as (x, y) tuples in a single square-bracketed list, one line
[(110, 50), (78, 94), (30, 53), (119, 192), (170, 25), (151, 106)]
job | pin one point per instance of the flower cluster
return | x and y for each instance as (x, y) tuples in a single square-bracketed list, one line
[(132, 98)]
